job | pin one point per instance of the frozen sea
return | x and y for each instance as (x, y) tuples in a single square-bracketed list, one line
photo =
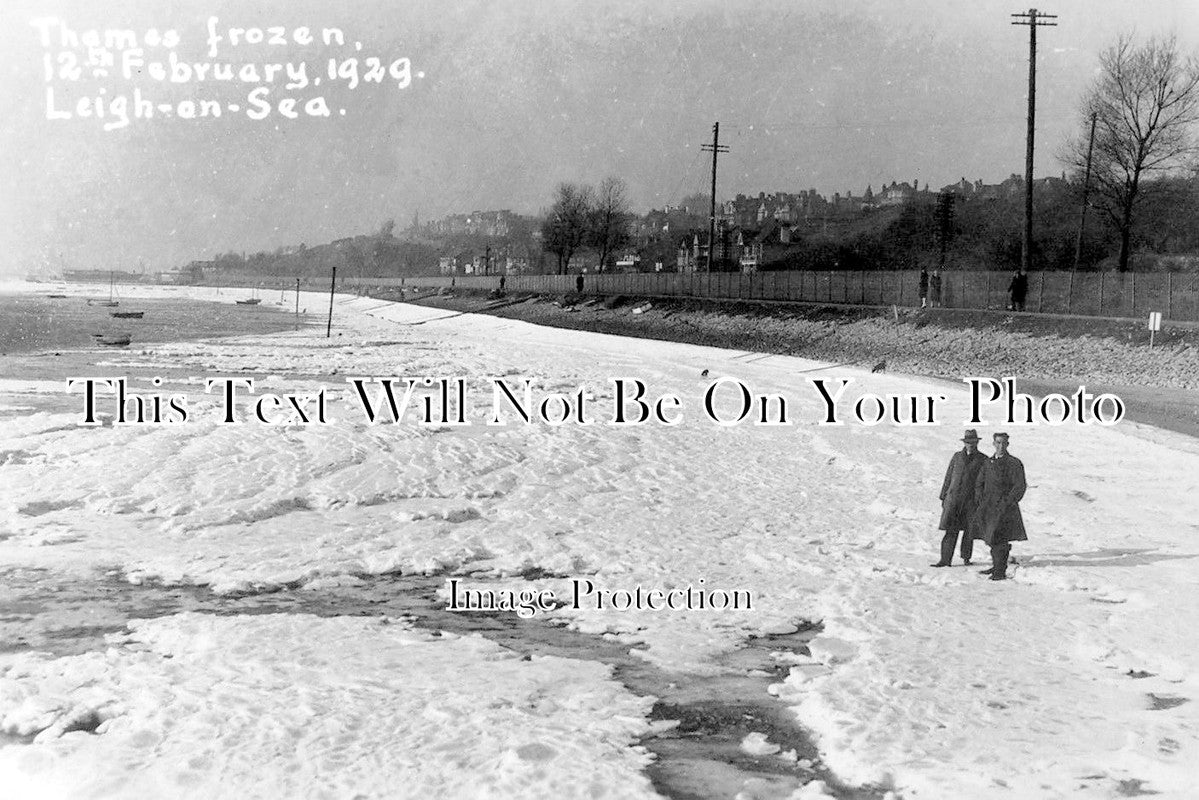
[(1075, 678)]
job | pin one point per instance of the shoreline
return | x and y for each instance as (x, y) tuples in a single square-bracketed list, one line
[(32, 323)]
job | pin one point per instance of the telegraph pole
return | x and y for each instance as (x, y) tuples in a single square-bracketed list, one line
[(1033, 19), (1086, 186), (332, 288), (715, 149), (945, 203)]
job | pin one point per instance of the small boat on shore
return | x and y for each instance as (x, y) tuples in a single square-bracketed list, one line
[(252, 300), (113, 339), (128, 314), (56, 296)]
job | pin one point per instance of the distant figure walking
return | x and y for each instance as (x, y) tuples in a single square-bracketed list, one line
[(1018, 289), (503, 280), (923, 287), (579, 284), (934, 285), (997, 519), (957, 499)]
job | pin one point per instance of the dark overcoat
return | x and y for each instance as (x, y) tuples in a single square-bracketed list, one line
[(957, 491), (1019, 288), (998, 490)]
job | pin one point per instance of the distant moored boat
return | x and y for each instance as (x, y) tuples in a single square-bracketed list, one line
[(128, 314)]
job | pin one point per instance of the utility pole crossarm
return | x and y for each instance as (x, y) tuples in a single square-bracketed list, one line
[(1034, 17)]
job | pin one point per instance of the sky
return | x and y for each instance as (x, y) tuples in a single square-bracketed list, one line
[(503, 99)]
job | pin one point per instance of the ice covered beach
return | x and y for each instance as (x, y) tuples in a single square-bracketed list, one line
[(1076, 678)]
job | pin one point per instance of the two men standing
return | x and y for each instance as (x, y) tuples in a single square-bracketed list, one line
[(980, 498)]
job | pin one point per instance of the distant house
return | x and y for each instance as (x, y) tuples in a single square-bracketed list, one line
[(896, 194), (516, 266), (785, 207), (179, 276), (629, 262), (978, 190), (693, 251), (765, 248), (869, 201), (962, 188), (455, 263), (739, 248), (1012, 187)]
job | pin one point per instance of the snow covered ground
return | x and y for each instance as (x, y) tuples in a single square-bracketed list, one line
[(1074, 679)]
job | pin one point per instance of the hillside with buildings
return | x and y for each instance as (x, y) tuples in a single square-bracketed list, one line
[(894, 226)]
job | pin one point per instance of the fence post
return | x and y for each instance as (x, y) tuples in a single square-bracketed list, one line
[(1132, 290), (1101, 293), (1070, 293), (1169, 295)]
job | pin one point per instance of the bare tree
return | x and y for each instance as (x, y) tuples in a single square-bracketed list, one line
[(567, 226), (610, 219), (1146, 104)]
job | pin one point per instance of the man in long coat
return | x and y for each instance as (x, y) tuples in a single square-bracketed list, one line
[(957, 499), (1018, 289), (998, 491)]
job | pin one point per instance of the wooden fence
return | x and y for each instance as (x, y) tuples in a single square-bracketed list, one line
[(1109, 294)]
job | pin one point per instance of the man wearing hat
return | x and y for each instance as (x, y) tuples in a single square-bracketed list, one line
[(998, 491), (957, 499)]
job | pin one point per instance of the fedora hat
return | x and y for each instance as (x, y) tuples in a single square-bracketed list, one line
[(971, 436)]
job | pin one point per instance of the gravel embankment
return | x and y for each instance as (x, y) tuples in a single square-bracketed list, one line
[(1051, 354)]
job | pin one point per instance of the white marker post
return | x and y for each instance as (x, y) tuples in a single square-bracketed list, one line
[(1155, 324)]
